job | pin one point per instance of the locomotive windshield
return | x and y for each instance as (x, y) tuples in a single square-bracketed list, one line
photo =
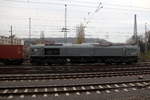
[(52, 51)]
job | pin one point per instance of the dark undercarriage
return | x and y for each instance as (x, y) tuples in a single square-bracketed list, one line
[(42, 60), (11, 61)]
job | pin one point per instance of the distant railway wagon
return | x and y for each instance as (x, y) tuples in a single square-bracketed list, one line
[(60, 54), (11, 54)]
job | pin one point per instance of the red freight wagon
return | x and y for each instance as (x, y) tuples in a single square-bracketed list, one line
[(11, 54)]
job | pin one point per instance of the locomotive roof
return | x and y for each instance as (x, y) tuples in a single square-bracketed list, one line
[(84, 45)]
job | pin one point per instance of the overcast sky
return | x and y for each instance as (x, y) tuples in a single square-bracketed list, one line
[(113, 22)]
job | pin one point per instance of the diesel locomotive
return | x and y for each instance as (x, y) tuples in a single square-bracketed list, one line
[(89, 53)]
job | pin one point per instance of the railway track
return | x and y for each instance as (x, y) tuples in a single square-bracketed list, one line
[(70, 68), (52, 90), (87, 64), (71, 72), (70, 75)]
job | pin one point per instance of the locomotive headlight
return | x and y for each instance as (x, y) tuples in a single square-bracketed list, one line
[(134, 53), (34, 50)]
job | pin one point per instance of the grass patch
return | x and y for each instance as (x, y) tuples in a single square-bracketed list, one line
[(146, 56)]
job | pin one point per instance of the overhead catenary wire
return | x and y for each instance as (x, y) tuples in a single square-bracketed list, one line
[(92, 5)]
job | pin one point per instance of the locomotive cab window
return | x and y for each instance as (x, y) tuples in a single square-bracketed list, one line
[(52, 51)]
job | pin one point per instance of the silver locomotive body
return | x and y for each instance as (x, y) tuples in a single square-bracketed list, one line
[(61, 54)]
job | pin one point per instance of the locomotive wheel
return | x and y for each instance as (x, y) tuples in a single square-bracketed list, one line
[(49, 63), (129, 63), (34, 64), (61, 61), (108, 61), (37, 63), (17, 63), (7, 63)]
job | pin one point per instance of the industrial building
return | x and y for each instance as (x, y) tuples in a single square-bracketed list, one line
[(8, 40)]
